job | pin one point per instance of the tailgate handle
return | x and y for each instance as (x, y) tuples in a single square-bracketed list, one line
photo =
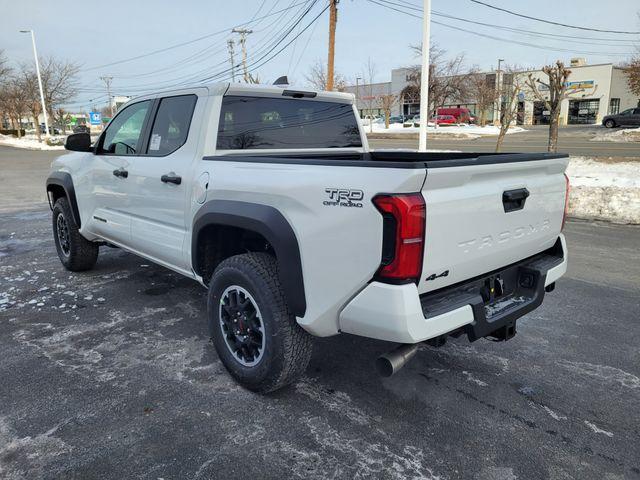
[(513, 200)]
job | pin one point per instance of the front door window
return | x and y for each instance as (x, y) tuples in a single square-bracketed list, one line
[(124, 134)]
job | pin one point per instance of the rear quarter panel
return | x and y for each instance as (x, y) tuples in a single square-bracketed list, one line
[(340, 246)]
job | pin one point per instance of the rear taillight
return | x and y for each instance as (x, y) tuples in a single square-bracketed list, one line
[(566, 200), (403, 236)]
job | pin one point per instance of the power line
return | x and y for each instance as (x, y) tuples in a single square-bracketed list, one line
[(412, 6), (552, 22), (283, 37), (500, 39), (195, 76), (267, 53), (182, 44)]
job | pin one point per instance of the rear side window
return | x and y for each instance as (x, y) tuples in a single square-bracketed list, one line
[(284, 123), (171, 125)]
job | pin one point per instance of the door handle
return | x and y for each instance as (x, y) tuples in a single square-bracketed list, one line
[(514, 199), (121, 173), (171, 178)]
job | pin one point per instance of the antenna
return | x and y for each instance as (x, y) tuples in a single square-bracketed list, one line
[(282, 81)]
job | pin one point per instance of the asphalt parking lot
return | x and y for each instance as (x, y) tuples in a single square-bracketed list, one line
[(110, 374)]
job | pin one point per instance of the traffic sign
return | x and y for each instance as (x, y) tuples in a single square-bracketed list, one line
[(95, 118)]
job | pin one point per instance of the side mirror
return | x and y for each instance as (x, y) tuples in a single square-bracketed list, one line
[(78, 142)]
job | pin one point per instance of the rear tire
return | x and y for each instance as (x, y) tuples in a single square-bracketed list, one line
[(75, 252), (257, 338), (609, 124)]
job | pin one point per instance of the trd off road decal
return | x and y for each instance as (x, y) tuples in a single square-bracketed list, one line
[(344, 197)]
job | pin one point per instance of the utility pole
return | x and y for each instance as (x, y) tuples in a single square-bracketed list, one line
[(424, 77), (107, 82), (497, 120), (358, 94), (230, 45), (243, 32), (42, 103), (333, 19)]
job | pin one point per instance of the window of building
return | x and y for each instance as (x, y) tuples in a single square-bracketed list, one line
[(583, 111), (270, 123), (614, 106), (171, 125)]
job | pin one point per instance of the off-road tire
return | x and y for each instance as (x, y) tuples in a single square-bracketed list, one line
[(79, 254), (287, 347)]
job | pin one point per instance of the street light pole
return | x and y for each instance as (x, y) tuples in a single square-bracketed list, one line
[(44, 108), (424, 77)]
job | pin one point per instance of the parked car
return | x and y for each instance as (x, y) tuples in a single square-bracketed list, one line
[(462, 115), (280, 215), (81, 129), (444, 120), (52, 130), (397, 119), (412, 122), (628, 118)]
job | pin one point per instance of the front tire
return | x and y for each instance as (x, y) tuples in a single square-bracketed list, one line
[(256, 336), (609, 124), (75, 252)]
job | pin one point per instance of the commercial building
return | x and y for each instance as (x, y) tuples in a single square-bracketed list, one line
[(594, 91)]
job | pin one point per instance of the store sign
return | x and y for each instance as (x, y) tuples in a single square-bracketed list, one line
[(583, 85), (572, 86), (583, 111)]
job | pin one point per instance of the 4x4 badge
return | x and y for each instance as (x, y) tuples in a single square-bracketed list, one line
[(433, 276)]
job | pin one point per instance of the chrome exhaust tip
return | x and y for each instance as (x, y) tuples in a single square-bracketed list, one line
[(389, 363)]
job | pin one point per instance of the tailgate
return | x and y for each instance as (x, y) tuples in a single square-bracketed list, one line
[(483, 216)]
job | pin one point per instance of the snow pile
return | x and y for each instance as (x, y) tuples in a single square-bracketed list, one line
[(618, 135), (604, 190), (462, 130), (31, 142)]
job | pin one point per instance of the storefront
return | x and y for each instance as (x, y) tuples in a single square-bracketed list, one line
[(583, 111), (540, 114)]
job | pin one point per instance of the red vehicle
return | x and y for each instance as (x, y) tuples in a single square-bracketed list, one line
[(444, 120), (462, 115)]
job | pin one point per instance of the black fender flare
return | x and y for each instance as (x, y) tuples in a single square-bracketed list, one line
[(273, 226), (64, 180)]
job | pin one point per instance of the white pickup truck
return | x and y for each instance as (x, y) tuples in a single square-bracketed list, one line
[(272, 199)]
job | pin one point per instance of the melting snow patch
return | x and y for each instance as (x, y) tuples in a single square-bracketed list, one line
[(475, 380), (334, 401), (604, 190), (603, 372), (597, 430)]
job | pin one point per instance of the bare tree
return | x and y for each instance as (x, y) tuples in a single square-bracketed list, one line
[(5, 68), (59, 85), (448, 81), (555, 89), (632, 70), (5, 72), (386, 103), (483, 91), (369, 98), (59, 81), (317, 77), (510, 88), (13, 101)]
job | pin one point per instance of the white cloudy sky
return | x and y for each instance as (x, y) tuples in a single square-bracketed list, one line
[(96, 33)]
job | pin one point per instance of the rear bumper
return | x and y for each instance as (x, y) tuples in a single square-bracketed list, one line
[(397, 313)]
